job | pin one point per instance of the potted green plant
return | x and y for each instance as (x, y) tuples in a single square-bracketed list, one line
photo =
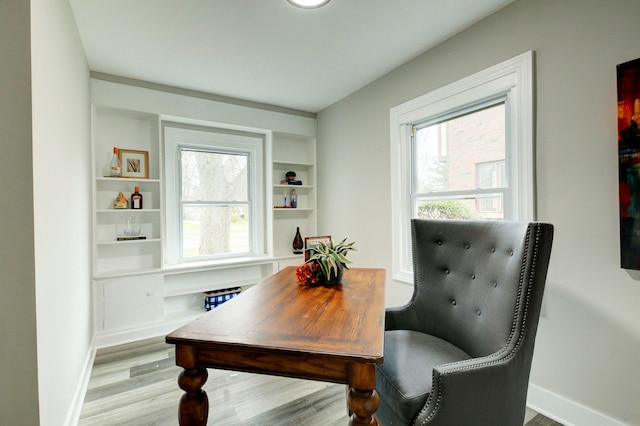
[(331, 260)]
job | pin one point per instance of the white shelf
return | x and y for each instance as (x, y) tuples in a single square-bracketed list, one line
[(116, 242), (280, 185), (125, 211), (121, 180), (201, 288), (290, 210), (291, 164)]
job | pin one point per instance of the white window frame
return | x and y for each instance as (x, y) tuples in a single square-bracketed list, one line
[(177, 137), (499, 181), (513, 80)]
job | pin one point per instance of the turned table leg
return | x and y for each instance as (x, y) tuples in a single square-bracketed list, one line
[(362, 399), (194, 404), (363, 405)]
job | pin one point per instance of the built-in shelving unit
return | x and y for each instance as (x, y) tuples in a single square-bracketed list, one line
[(135, 294), (298, 154), (129, 130)]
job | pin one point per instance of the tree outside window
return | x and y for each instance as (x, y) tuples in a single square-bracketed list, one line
[(215, 203)]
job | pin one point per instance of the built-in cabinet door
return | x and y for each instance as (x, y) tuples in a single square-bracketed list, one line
[(132, 301)]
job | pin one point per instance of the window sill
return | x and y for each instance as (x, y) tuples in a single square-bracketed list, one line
[(216, 264), (405, 277)]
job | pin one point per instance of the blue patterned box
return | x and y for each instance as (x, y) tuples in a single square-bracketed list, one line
[(218, 297)]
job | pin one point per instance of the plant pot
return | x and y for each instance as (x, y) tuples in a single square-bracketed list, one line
[(334, 279)]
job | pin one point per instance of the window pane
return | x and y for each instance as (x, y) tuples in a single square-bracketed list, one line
[(213, 176), (447, 154), (490, 206), (215, 230), (472, 207), (487, 177), (491, 175)]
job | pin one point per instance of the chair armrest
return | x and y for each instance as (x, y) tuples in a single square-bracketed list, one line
[(401, 318), (470, 389)]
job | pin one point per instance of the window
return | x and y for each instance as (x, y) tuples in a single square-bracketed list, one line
[(463, 151), (214, 202), (214, 206), (457, 166)]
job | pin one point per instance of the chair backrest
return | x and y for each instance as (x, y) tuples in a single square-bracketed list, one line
[(477, 281)]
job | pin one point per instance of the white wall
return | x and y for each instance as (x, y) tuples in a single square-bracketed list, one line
[(62, 201), (185, 108), (588, 346), (18, 365)]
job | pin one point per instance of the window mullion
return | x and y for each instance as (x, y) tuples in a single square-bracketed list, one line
[(445, 194), (214, 203)]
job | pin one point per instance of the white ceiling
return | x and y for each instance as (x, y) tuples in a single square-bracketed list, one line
[(267, 50)]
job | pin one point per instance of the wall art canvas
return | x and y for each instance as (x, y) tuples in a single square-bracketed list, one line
[(629, 162)]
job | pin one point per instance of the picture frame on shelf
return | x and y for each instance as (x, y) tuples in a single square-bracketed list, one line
[(135, 164), (311, 242)]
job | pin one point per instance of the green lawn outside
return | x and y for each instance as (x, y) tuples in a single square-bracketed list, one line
[(239, 235)]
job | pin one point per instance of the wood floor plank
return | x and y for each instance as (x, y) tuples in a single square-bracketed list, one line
[(154, 366), (127, 399), (133, 383), (253, 396), (131, 349), (113, 370)]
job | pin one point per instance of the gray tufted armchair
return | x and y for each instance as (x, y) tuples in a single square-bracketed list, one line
[(459, 353)]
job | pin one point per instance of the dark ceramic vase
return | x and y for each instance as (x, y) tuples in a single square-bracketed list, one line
[(334, 279), (297, 242)]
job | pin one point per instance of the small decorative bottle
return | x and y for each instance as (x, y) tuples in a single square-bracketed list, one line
[(294, 199), (136, 199), (297, 242), (120, 202), (115, 169)]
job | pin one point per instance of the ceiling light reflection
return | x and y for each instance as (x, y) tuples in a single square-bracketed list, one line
[(308, 4)]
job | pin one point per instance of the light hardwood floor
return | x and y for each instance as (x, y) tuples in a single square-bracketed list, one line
[(136, 384)]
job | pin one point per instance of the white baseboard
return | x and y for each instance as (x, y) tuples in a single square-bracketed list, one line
[(73, 415), (565, 411)]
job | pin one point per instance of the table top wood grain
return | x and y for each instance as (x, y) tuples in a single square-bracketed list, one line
[(280, 316)]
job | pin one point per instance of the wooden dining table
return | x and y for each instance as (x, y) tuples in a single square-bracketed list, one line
[(278, 327)]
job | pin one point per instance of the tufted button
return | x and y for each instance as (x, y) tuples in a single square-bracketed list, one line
[(495, 284), (446, 271), (439, 243), (493, 249), (473, 276), (453, 302), (467, 246), (478, 312), (511, 253)]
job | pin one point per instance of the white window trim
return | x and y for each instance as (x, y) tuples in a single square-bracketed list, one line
[(179, 136), (513, 79)]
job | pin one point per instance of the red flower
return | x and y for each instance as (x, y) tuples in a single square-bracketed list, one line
[(309, 273)]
